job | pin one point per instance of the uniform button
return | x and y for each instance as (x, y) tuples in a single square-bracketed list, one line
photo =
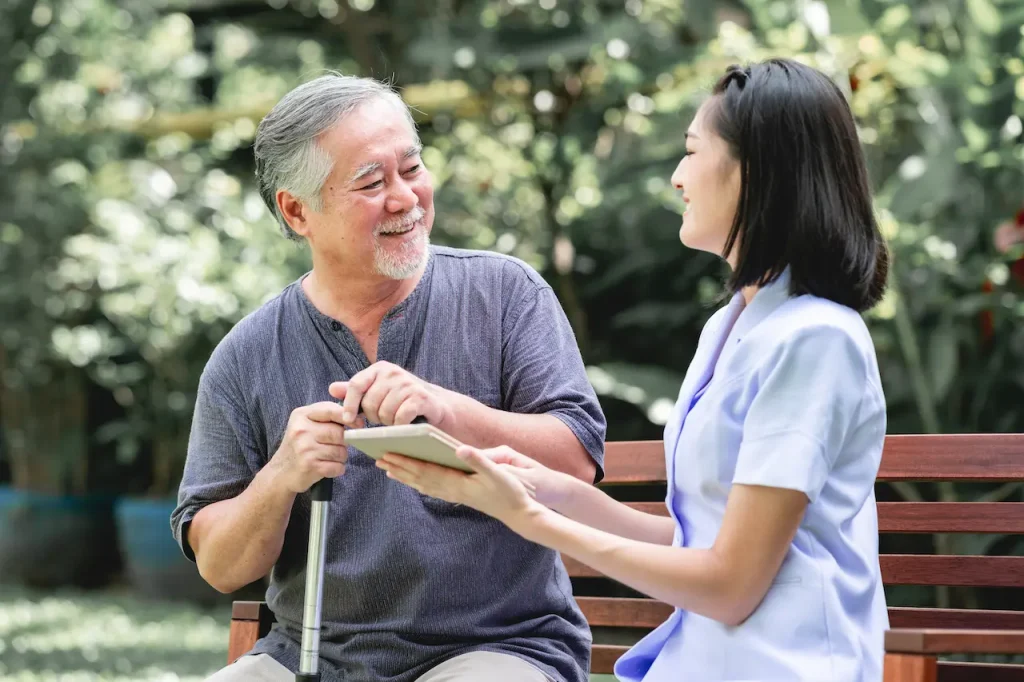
[(336, 326)]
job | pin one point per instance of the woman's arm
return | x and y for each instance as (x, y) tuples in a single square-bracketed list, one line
[(593, 507), (725, 582)]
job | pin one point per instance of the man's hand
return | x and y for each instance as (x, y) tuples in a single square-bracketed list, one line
[(390, 395), (313, 446)]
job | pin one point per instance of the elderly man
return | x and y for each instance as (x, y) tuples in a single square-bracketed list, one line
[(415, 589)]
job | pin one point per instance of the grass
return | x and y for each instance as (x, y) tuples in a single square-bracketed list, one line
[(111, 636), (71, 636)]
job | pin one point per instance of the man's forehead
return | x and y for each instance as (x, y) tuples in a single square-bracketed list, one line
[(372, 124)]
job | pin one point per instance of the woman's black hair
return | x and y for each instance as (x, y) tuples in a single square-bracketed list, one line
[(805, 198)]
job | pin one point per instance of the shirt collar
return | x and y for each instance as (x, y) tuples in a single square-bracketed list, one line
[(767, 299)]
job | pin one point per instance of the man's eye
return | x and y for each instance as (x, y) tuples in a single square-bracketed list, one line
[(413, 169), (374, 185)]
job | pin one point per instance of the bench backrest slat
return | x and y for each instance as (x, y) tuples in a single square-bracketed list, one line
[(967, 571), (620, 612), (926, 517), (912, 569), (951, 517), (988, 457), (994, 457)]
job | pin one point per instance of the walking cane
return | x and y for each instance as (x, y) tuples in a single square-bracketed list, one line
[(309, 659)]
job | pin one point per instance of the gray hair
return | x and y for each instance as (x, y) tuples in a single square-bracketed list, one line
[(287, 154)]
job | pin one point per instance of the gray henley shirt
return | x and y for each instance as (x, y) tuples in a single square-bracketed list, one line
[(409, 580)]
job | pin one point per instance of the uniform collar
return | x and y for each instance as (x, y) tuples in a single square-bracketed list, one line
[(766, 301)]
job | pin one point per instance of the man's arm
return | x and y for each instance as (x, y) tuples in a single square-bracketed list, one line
[(238, 541), (234, 502), (542, 437)]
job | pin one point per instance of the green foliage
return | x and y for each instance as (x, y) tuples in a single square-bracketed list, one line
[(131, 237)]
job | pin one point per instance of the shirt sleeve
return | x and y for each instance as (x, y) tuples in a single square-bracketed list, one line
[(543, 371), (223, 451), (806, 398)]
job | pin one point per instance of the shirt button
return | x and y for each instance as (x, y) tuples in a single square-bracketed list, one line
[(336, 326)]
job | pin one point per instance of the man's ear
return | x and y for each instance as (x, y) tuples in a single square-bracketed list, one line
[(294, 211)]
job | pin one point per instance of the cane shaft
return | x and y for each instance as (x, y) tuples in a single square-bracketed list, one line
[(309, 661)]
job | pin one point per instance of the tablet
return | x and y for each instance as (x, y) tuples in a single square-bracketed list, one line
[(420, 441)]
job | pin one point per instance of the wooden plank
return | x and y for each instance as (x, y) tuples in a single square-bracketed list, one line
[(911, 569), (578, 569), (957, 671), (945, 641), (242, 637), (966, 571), (942, 457), (945, 457), (951, 517), (603, 657), (246, 610), (964, 619), (637, 461), (622, 612), (649, 613), (953, 457), (656, 508), (909, 668)]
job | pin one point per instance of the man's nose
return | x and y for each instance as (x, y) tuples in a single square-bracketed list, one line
[(402, 198)]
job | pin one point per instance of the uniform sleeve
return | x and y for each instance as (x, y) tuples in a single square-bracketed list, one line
[(223, 451), (543, 371), (806, 398)]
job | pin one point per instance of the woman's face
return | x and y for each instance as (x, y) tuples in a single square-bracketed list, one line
[(709, 178)]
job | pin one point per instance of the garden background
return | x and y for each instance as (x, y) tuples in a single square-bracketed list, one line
[(132, 237)]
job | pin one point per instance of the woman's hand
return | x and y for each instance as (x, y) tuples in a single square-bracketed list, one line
[(551, 488), (492, 488)]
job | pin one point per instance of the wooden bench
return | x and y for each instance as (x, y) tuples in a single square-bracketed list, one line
[(918, 636)]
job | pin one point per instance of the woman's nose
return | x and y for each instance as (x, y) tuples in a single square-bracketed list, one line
[(677, 176)]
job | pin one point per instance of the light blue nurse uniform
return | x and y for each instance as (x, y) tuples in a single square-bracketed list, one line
[(782, 392)]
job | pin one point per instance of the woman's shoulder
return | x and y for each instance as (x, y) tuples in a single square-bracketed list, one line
[(805, 331), (812, 321)]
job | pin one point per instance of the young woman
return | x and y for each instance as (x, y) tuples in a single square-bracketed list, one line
[(770, 554)]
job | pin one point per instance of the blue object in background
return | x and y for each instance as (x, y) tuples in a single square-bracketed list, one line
[(154, 564), (49, 541)]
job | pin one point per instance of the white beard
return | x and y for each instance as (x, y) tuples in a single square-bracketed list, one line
[(406, 261)]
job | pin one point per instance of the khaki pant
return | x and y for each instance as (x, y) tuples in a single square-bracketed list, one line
[(471, 667)]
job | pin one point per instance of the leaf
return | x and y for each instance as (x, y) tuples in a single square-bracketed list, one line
[(894, 18), (652, 389), (914, 193), (942, 359), (653, 314), (984, 15), (846, 18)]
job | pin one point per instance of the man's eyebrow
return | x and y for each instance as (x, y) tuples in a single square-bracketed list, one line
[(364, 170), (374, 166)]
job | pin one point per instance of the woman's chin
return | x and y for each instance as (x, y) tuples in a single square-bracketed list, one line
[(687, 236)]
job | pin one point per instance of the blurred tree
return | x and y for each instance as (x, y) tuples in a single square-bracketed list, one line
[(132, 238)]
